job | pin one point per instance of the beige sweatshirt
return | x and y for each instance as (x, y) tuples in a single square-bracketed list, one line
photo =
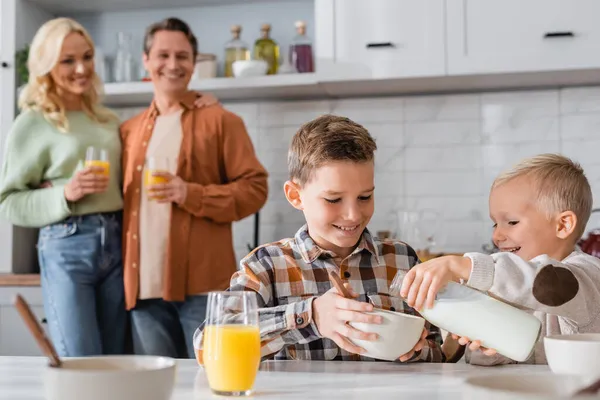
[(563, 295)]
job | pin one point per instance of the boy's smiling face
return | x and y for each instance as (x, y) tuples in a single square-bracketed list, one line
[(337, 203), (522, 228)]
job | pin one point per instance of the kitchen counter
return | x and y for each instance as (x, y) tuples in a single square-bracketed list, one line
[(21, 379), (7, 279)]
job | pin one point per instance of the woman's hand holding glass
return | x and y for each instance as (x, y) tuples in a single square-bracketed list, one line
[(91, 179)]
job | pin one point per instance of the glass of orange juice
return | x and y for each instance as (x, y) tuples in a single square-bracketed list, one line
[(231, 343), (155, 164), (97, 157)]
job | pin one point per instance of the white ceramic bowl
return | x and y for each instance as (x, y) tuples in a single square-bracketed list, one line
[(111, 377), (247, 68), (497, 386), (577, 354), (398, 334)]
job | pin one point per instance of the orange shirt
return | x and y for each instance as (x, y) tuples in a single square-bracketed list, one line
[(225, 183)]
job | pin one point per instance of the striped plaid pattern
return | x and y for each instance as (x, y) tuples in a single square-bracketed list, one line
[(288, 275)]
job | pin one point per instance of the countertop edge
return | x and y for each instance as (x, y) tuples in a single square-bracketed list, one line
[(8, 279)]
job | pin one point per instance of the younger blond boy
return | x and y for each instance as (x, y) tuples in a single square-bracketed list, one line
[(301, 317), (540, 209)]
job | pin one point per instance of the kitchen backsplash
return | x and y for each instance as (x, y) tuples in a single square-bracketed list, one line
[(437, 152)]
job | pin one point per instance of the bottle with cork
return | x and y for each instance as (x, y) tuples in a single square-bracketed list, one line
[(267, 49), (236, 49), (301, 53)]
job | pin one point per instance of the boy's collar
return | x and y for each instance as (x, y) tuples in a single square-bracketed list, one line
[(310, 251)]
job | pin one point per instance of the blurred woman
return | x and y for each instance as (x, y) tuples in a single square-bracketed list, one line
[(79, 210), (188, 174)]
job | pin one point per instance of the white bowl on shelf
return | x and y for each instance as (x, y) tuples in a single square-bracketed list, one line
[(111, 377), (248, 68)]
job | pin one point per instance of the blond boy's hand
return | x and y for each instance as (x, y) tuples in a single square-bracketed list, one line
[(473, 345), (332, 312), (422, 282), (420, 344)]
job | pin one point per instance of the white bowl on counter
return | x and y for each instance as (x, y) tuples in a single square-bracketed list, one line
[(577, 354), (111, 377), (495, 386), (398, 334), (248, 68)]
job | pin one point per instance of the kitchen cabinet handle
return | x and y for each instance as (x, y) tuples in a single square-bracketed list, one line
[(552, 35), (4, 64), (380, 45)]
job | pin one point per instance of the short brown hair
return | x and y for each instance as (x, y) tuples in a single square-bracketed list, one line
[(561, 185), (325, 139), (171, 24)]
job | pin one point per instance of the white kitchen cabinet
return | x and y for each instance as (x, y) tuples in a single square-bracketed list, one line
[(19, 20), (7, 106), (389, 38), (15, 339), (492, 36)]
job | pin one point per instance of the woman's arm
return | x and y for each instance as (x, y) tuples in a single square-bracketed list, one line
[(21, 201)]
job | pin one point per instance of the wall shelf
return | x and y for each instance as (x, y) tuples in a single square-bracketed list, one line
[(256, 88), (315, 86)]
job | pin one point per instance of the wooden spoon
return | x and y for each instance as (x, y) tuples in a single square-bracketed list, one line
[(590, 389), (339, 285), (37, 331)]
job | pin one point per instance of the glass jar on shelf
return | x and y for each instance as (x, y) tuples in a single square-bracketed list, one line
[(301, 51), (267, 49), (124, 67), (206, 66), (235, 50)]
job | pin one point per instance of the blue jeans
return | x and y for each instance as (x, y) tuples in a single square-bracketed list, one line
[(166, 328), (82, 284)]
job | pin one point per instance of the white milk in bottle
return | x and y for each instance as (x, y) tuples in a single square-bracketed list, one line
[(467, 312)]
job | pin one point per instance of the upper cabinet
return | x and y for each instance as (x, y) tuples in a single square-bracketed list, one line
[(505, 36), (361, 47), (381, 38)]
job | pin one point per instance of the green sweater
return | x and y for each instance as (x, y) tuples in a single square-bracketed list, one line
[(36, 151)]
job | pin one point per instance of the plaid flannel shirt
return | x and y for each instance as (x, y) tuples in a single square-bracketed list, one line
[(288, 275)]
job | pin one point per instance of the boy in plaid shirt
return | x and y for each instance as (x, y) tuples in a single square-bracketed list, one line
[(331, 166)]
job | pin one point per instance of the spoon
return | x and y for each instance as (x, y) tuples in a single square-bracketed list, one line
[(37, 331), (339, 285)]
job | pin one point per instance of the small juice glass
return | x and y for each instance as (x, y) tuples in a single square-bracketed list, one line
[(97, 157), (231, 343), (155, 164)]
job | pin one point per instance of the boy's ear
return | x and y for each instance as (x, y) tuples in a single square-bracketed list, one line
[(292, 194), (565, 224)]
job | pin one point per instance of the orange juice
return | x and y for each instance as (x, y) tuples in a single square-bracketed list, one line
[(199, 356), (231, 356), (98, 163), (150, 179)]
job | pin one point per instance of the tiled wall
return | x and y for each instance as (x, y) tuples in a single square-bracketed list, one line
[(437, 152)]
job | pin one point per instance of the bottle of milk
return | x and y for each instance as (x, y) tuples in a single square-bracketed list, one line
[(467, 312)]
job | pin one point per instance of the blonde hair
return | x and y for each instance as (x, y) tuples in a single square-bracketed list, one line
[(40, 93), (560, 183), (325, 139)]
